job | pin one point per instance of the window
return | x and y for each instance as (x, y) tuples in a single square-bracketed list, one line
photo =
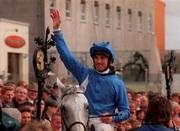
[(149, 20), (83, 9), (52, 3), (107, 14), (129, 19), (68, 8), (139, 21), (118, 13), (96, 11)]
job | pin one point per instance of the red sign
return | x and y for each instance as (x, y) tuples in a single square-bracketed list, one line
[(15, 41)]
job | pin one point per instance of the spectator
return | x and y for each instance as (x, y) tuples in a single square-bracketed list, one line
[(27, 105), (32, 92), (56, 121), (133, 110), (51, 107), (134, 123), (140, 114), (25, 116), (36, 126), (144, 103), (130, 96), (7, 96), (20, 96), (151, 94), (158, 115), (13, 112), (35, 108), (138, 94), (175, 115), (11, 83), (10, 119), (138, 102), (21, 83), (176, 97)]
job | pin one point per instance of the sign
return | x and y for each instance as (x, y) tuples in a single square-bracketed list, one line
[(15, 41)]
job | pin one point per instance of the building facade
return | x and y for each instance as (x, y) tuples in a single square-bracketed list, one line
[(14, 50), (25, 11), (130, 25)]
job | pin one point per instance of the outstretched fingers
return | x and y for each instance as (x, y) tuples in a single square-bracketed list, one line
[(54, 13), (56, 18)]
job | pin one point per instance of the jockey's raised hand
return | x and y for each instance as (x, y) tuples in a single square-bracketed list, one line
[(55, 18)]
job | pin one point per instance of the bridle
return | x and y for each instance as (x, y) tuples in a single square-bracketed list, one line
[(76, 122)]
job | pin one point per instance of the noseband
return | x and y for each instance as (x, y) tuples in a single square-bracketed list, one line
[(74, 123)]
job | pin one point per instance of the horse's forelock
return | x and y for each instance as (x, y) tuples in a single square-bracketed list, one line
[(70, 90)]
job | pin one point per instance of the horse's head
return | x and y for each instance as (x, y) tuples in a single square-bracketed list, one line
[(74, 109)]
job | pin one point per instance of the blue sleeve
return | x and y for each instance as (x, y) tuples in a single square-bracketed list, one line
[(122, 103), (70, 61)]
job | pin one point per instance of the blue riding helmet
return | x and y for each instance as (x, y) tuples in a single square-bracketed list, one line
[(105, 47)]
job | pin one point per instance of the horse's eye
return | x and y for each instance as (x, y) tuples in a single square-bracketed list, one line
[(86, 107), (63, 109)]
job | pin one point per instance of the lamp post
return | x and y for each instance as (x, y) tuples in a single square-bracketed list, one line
[(42, 65), (169, 71)]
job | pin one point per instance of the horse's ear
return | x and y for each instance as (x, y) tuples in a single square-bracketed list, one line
[(81, 88), (59, 83)]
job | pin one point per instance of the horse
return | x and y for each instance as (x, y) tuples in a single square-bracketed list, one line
[(74, 110)]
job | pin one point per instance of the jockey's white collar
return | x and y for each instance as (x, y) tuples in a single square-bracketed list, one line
[(104, 72)]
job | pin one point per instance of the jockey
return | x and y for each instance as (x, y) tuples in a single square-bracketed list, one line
[(103, 88)]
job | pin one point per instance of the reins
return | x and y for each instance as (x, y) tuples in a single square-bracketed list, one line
[(74, 123), (108, 115)]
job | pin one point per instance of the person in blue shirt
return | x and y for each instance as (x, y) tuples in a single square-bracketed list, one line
[(103, 88)]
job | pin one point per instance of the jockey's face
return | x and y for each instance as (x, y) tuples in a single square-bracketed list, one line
[(100, 62)]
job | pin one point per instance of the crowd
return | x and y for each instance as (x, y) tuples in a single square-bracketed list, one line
[(18, 100), (148, 108)]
